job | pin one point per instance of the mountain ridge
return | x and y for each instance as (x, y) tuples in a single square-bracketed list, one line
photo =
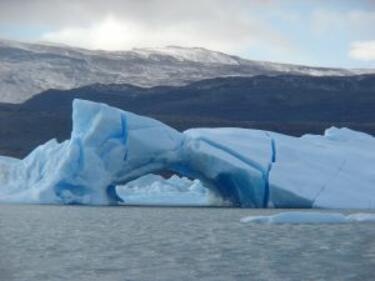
[(27, 69)]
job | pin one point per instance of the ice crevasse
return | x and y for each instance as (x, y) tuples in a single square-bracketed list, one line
[(109, 147)]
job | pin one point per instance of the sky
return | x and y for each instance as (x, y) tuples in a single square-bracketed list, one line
[(338, 33)]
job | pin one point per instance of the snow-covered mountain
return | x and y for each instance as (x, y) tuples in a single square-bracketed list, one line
[(27, 69)]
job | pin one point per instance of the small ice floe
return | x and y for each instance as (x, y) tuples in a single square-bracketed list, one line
[(361, 217), (310, 218)]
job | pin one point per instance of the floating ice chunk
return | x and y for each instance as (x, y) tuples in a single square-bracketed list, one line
[(361, 217), (298, 217), (156, 190)]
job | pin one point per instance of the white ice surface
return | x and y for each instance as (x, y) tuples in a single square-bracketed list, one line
[(336, 170)]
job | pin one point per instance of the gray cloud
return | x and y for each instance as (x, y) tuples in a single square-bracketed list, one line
[(218, 24), (236, 26), (60, 12)]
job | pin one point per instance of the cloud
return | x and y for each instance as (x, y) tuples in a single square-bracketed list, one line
[(230, 26), (364, 50), (279, 30), (109, 34), (114, 33)]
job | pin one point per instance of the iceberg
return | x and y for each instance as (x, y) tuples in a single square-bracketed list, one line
[(111, 155), (310, 218)]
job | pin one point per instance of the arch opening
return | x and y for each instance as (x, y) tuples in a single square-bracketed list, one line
[(180, 185)]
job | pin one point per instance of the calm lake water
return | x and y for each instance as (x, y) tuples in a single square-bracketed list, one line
[(130, 243)]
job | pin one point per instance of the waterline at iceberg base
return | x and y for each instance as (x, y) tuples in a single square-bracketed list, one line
[(110, 148)]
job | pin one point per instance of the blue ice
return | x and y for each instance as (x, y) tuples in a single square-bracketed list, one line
[(109, 148)]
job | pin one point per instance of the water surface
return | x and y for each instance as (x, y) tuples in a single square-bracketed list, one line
[(133, 243)]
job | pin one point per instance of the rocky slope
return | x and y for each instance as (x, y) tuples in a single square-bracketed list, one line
[(27, 69)]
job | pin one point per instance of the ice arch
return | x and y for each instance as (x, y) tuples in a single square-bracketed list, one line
[(249, 168), (109, 147), (237, 172)]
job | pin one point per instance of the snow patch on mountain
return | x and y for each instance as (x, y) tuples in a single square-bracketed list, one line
[(199, 55), (29, 68)]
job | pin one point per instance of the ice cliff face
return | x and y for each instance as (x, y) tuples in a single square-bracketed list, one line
[(27, 69), (249, 168), (107, 146)]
